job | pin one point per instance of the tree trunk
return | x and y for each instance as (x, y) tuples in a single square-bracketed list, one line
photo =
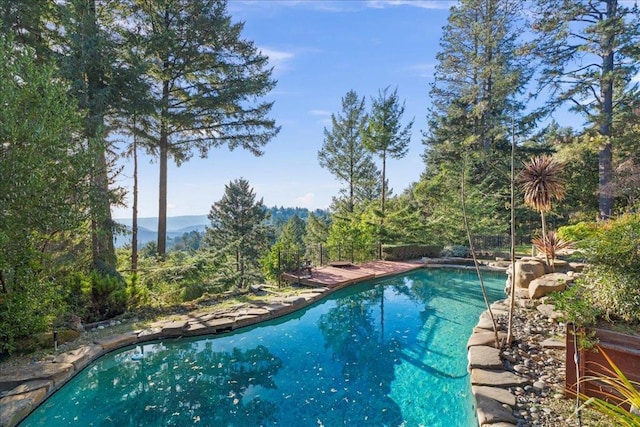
[(605, 159), (162, 197), (134, 222), (162, 187), (103, 250)]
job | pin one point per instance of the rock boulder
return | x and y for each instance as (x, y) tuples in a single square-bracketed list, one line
[(549, 283)]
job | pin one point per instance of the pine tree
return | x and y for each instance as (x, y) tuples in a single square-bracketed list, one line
[(479, 81), (384, 134), (344, 155), (207, 82), (590, 50), (237, 232)]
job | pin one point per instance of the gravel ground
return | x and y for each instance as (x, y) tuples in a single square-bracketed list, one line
[(543, 402)]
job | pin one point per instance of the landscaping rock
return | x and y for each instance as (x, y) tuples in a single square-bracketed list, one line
[(117, 341), (495, 393), (549, 311), (491, 412), (528, 270), (485, 338), (80, 357), (55, 372), (496, 378), (549, 283), (12, 412), (484, 357)]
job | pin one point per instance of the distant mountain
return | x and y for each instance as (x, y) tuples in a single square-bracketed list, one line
[(148, 228), (179, 225), (174, 223)]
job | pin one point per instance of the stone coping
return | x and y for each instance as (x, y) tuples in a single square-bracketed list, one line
[(491, 382)]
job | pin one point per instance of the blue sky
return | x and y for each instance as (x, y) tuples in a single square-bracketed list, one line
[(319, 51)]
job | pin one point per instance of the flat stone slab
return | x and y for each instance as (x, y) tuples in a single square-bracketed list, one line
[(500, 394), (484, 322), (117, 341), (175, 328), (222, 324), (295, 300), (56, 372), (12, 412), (27, 387), (485, 338), (551, 343), (549, 310), (501, 424), (36, 396), (491, 412), (80, 357), (485, 357), (149, 334), (242, 321), (496, 378)]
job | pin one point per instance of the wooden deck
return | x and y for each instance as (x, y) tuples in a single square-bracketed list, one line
[(337, 277)]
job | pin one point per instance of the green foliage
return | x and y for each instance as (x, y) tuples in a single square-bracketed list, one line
[(352, 238), (285, 254), (207, 97), (578, 232), (407, 252), (458, 251), (576, 305), (344, 155), (610, 284), (43, 192), (238, 236), (27, 312)]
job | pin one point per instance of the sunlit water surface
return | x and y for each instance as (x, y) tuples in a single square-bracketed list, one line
[(389, 352)]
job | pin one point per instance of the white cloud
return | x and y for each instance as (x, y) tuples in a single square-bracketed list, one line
[(323, 113), (306, 201), (278, 59), (423, 70), (423, 4)]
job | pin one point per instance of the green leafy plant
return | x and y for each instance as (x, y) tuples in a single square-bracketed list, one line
[(621, 399)]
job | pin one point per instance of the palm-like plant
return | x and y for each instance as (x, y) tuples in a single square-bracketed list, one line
[(541, 182), (551, 245)]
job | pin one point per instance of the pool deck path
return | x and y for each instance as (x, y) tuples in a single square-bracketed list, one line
[(22, 390), (339, 277)]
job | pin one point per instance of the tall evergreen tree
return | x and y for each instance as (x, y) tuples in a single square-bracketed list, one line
[(384, 134), (237, 231), (479, 80), (344, 155), (207, 81), (590, 51)]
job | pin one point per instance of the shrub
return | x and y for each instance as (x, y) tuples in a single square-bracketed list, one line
[(578, 232), (455, 251), (613, 277), (415, 251)]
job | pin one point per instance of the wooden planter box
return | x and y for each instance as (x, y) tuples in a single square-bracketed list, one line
[(623, 349)]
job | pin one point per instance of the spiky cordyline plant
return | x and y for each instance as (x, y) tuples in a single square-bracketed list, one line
[(551, 245), (541, 182), (624, 394)]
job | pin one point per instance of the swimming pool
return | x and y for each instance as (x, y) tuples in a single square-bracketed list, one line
[(388, 352)]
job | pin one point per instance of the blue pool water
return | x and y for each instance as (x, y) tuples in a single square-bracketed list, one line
[(389, 352)]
